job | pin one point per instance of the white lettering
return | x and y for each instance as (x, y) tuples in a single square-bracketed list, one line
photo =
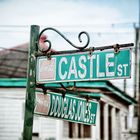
[(71, 111), (62, 76), (119, 70), (56, 107), (109, 64), (72, 69), (53, 104), (65, 108), (125, 68), (82, 66), (80, 111), (88, 112), (92, 118), (99, 74), (91, 65)]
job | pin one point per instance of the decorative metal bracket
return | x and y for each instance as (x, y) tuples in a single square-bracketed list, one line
[(49, 42), (116, 48)]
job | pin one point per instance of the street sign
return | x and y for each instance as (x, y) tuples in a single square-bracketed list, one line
[(84, 66), (70, 108)]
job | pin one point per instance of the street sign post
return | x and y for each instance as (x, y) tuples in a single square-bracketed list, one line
[(31, 85), (70, 108), (84, 66)]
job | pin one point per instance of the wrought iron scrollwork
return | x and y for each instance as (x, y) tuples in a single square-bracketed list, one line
[(75, 46)]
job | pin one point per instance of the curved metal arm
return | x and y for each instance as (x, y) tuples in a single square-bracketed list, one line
[(75, 46)]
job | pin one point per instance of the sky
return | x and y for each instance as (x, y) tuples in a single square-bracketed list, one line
[(70, 12), (101, 18), (107, 21)]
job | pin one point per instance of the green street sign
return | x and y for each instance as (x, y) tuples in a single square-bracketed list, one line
[(70, 108), (84, 66)]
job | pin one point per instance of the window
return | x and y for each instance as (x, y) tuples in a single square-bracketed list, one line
[(77, 130), (87, 131), (110, 124)]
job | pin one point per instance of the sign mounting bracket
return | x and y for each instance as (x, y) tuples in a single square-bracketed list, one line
[(36, 50)]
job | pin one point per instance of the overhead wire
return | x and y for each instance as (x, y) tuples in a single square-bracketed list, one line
[(11, 75), (113, 25), (14, 98), (15, 50), (13, 59), (105, 26), (11, 66), (133, 23)]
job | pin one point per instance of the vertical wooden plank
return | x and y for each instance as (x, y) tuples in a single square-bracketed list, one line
[(31, 84), (59, 131), (98, 123), (113, 116), (106, 113), (118, 124)]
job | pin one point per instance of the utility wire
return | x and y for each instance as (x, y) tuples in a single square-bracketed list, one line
[(11, 69), (77, 25), (13, 59), (11, 75), (17, 98), (11, 66), (15, 50)]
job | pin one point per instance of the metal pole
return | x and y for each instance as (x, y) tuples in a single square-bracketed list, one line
[(137, 80), (116, 48), (31, 84), (139, 92), (136, 64), (124, 85), (139, 113)]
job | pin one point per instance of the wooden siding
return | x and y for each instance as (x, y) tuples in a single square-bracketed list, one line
[(12, 117)]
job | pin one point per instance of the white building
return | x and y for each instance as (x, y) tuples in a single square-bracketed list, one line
[(114, 116), (111, 122)]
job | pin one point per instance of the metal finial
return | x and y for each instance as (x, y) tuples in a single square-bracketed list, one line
[(75, 46)]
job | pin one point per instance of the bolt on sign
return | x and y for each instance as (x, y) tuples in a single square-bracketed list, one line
[(70, 108), (84, 66)]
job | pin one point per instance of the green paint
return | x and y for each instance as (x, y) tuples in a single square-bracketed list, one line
[(70, 108), (83, 66), (108, 86), (21, 83), (31, 85)]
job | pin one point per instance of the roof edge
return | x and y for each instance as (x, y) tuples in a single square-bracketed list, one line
[(21, 82), (13, 82)]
